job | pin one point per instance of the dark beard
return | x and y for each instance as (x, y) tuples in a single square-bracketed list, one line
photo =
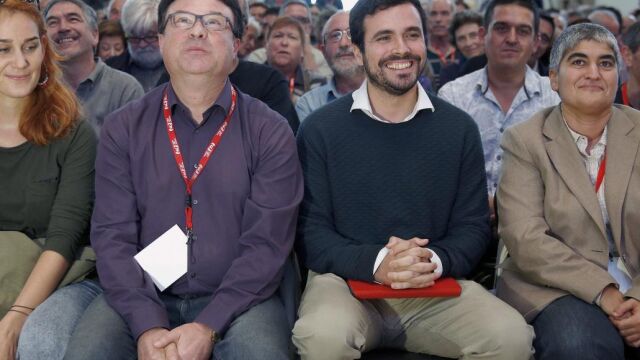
[(379, 81)]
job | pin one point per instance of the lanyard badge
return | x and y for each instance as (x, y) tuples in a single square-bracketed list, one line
[(211, 148)]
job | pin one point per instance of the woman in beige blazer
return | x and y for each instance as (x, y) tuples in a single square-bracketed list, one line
[(569, 205)]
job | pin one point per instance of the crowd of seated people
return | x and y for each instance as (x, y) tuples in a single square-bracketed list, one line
[(198, 179)]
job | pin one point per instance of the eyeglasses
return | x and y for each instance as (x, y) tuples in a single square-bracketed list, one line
[(185, 20), (33, 2), (336, 36), (137, 40)]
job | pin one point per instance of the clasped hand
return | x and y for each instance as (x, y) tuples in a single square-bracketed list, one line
[(189, 341), (407, 264)]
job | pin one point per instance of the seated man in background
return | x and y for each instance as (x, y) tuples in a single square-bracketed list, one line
[(395, 193), (629, 91), (143, 59), (539, 60), (569, 201), (440, 51), (348, 74), (73, 30), (506, 91)]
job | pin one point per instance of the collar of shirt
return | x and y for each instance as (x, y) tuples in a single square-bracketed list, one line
[(532, 84), (582, 142), (223, 101), (96, 73), (332, 90), (361, 102)]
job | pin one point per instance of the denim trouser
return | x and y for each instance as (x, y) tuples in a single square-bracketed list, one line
[(570, 328), (47, 330), (259, 333)]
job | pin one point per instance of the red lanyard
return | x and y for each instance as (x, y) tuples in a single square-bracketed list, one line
[(625, 95), (601, 170), (292, 83), (213, 145)]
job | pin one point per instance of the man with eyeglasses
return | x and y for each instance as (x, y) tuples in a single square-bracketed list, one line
[(313, 59), (506, 91), (142, 59), (348, 74), (73, 30), (219, 168), (539, 60)]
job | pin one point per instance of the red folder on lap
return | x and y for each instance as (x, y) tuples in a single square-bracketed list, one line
[(444, 287)]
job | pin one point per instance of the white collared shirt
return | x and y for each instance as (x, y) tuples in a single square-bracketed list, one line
[(361, 102)]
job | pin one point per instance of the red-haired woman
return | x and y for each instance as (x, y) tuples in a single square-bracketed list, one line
[(46, 170)]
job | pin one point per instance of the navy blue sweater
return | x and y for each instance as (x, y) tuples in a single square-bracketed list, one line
[(366, 180)]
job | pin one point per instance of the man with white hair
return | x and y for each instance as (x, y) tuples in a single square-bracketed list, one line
[(348, 74), (114, 9), (143, 59)]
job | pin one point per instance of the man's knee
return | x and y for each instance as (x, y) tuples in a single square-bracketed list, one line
[(511, 338), (325, 340)]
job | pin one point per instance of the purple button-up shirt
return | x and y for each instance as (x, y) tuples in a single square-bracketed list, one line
[(244, 205)]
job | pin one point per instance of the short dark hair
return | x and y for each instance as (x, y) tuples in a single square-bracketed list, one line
[(631, 37), (363, 8), (463, 18), (548, 18), (274, 10), (527, 4), (237, 27)]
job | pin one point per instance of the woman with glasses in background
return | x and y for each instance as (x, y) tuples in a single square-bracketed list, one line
[(47, 159)]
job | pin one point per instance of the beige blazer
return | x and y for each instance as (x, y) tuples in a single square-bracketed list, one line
[(550, 219)]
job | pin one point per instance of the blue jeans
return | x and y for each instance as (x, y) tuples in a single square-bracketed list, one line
[(259, 333), (47, 330), (570, 328)]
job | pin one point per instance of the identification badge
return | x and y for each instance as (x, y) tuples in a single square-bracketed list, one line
[(165, 259)]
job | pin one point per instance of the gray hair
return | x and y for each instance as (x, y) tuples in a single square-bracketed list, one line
[(139, 16), (109, 6), (599, 12), (251, 21), (325, 28), (572, 36), (88, 13), (426, 5), (295, 2)]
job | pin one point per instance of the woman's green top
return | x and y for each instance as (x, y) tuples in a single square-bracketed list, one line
[(47, 191)]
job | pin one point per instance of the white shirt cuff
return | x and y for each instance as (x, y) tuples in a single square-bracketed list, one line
[(436, 260), (381, 254)]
